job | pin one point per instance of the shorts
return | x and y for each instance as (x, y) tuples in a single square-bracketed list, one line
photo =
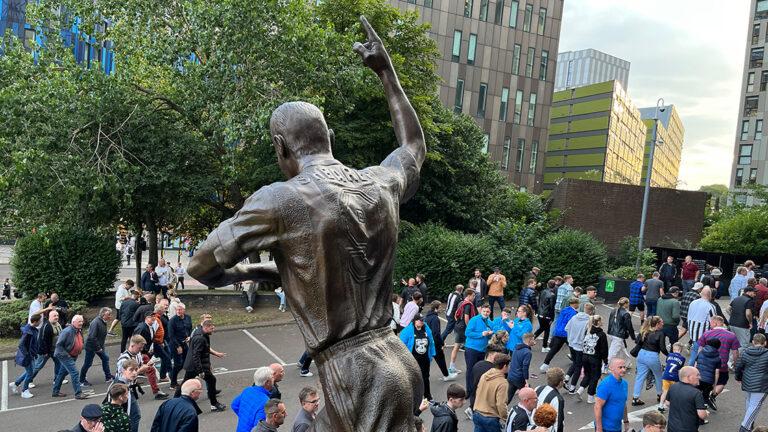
[(458, 335), (665, 384), (639, 306), (118, 314), (372, 370), (723, 378)]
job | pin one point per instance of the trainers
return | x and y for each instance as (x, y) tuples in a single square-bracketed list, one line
[(454, 371), (161, 396), (534, 376), (579, 393), (637, 402), (27, 395), (567, 379), (14, 387), (571, 390), (450, 377), (606, 370), (650, 381), (544, 367), (544, 349), (66, 381), (461, 348), (590, 399), (306, 374), (662, 408), (109, 380), (113, 334), (163, 380), (86, 384), (468, 413), (32, 385), (249, 309), (712, 402), (218, 407)]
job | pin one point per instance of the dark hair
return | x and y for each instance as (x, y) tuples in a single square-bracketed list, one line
[(456, 391), (34, 319), (435, 305), (418, 422), (306, 392), (416, 295), (500, 361), (117, 389), (591, 288), (469, 292), (708, 281), (495, 348), (714, 343), (129, 282), (551, 284), (272, 406), (207, 323)]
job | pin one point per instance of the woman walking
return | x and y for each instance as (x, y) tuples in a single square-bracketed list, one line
[(619, 329), (651, 341), (546, 313), (595, 355)]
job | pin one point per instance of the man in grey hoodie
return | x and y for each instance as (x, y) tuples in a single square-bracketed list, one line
[(577, 330), (750, 369)]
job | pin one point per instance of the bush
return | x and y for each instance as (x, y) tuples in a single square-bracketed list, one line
[(573, 252), (13, 316), (77, 264), (742, 232), (630, 272), (517, 250), (445, 257)]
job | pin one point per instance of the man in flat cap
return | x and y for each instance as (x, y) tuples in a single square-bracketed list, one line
[(90, 419)]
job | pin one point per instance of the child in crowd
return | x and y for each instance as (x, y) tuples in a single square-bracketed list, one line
[(708, 364), (675, 361)]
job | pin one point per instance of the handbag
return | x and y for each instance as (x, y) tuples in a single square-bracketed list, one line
[(636, 350)]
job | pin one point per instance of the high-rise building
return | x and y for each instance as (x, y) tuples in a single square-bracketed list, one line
[(589, 66), (596, 133), (750, 155), (498, 66), (666, 157)]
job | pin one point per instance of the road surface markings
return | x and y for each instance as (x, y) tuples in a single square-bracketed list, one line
[(4, 389), (269, 351)]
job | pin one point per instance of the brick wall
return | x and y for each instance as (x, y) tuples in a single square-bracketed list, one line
[(611, 211)]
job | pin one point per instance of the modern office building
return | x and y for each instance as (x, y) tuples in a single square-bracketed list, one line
[(666, 157), (498, 66), (596, 133), (750, 154), (589, 66)]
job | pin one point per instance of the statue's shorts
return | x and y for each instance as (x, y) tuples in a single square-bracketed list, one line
[(371, 383)]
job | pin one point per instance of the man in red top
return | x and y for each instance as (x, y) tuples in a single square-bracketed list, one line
[(762, 294), (68, 347), (689, 273)]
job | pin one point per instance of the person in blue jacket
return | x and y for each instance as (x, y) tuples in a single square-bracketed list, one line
[(479, 331), (249, 405), (518, 366), (560, 336), (520, 326), (417, 337), (27, 353)]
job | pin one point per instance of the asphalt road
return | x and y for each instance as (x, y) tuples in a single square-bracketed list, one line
[(251, 348)]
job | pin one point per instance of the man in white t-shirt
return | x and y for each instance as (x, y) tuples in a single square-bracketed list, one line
[(123, 292), (162, 272), (180, 272), (36, 307)]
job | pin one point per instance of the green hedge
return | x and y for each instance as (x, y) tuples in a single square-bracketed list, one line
[(13, 316), (77, 264), (568, 251)]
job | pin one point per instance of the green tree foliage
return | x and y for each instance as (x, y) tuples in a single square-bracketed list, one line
[(517, 245), (573, 252), (740, 231), (77, 264), (13, 316)]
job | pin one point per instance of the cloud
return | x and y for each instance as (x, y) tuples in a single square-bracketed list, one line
[(689, 52)]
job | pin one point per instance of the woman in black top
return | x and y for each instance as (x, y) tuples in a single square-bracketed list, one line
[(651, 341), (546, 312), (595, 355)]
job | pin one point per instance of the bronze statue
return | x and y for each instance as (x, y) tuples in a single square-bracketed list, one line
[(333, 232)]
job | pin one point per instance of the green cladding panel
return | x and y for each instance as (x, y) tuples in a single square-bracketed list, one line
[(592, 106), (591, 175), (554, 161), (558, 128), (597, 159), (606, 87), (596, 141), (561, 96), (555, 145), (561, 111), (552, 177), (590, 124)]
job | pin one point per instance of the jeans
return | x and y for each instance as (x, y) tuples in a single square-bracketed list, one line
[(671, 333), (41, 361), (592, 373), (127, 333), (181, 282), (135, 415), (448, 327), (754, 403), (178, 363), (688, 285), (68, 366), (440, 360), (496, 299), (694, 353), (89, 354), (471, 356), (617, 349), (424, 367), (305, 361), (650, 306), (165, 359), (486, 424), (282, 298), (647, 361)]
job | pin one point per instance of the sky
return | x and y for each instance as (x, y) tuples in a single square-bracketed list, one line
[(689, 52)]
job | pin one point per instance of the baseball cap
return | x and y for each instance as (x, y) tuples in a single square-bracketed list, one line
[(749, 289), (91, 412), (674, 289), (716, 272), (698, 285)]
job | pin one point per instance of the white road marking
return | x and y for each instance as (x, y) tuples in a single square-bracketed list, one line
[(4, 388), (269, 351)]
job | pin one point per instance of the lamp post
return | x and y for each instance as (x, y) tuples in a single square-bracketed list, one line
[(654, 141)]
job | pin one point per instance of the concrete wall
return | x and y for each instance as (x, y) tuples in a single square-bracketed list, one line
[(611, 211)]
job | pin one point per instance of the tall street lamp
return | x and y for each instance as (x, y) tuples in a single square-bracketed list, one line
[(654, 143)]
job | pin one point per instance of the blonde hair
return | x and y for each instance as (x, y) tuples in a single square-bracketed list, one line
[(648, 326), (593, 320), (498, 337)]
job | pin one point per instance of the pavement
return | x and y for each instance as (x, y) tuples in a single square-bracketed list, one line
[(252, 347)]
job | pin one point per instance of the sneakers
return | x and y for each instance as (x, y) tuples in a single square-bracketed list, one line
[(218, 407), (306, 374), (606, 370), (450, 377), (534, 376), (662, 409), (281, 308), (86, 384), (468, 413), (161, 396), (650, 381), (590, 399), (567, 379), (249, 309), (163, 380), (32, 385), (571, 390), (544, 367), (454, 371), (109, 380), (545, 349), (113, 334), (637, 402), (66, 381), (579, 393), (14, 387), (712, 402), (461, 348), (27, 395)]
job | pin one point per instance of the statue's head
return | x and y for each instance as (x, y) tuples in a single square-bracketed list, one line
[(298, 129)]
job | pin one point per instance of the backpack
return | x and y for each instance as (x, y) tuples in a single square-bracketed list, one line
[(590, 343), (459, 314), (130, 250)]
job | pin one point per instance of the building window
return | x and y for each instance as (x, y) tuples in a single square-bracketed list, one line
[(456, 54), (458, 101), (761, 9), (529, 62), (543, 66), (518, 107), (755, 34), (756, 58), (744, 130), (741, 199), (532, 109), (758, 130), (520, 151), (527, 18), (428, 3), (504, 103), (763, 80), (753, 175), (412, 1), (534, 157), (499, 12), (468, 7), (542, 21), (739, 176), (514, 8), (472, 48), (505, 153), (481, 100), (745, 154), (750, 82), (486, 140), (483, 10), (569, 75), (516, 59), (750, 105)]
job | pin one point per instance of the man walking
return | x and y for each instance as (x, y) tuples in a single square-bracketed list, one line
[(198, 363), (700, 312), (728, 343), (148, 279), (740, 310), (248, 406), (686, 404), (689, 273), (560, 335), (179, 331), (496, 284), (685, 304), (564, 290), (577, 329), (68, 347), (550, 394), (123, 292), (180, 414), (418, 338), (481, 288), (611, 399), (94, 346), (48, 334), (520, 416), (127, 311), (59, 305), (27, 354), (310, 405), (163, 272), (37, 306), (135, 352), (750, 373), (668, 309), (636, 296), (654, 289), (491, 399), (454, 300), (668, 272), (275, 411)]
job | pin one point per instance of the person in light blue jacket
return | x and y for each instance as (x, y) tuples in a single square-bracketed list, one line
[(520, 326), (417, 337), (479, 331)]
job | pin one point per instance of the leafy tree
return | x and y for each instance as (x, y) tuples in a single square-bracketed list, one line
[(743, 231), (573, 252)]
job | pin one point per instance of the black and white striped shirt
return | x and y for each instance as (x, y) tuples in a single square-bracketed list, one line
[(549, 395)]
